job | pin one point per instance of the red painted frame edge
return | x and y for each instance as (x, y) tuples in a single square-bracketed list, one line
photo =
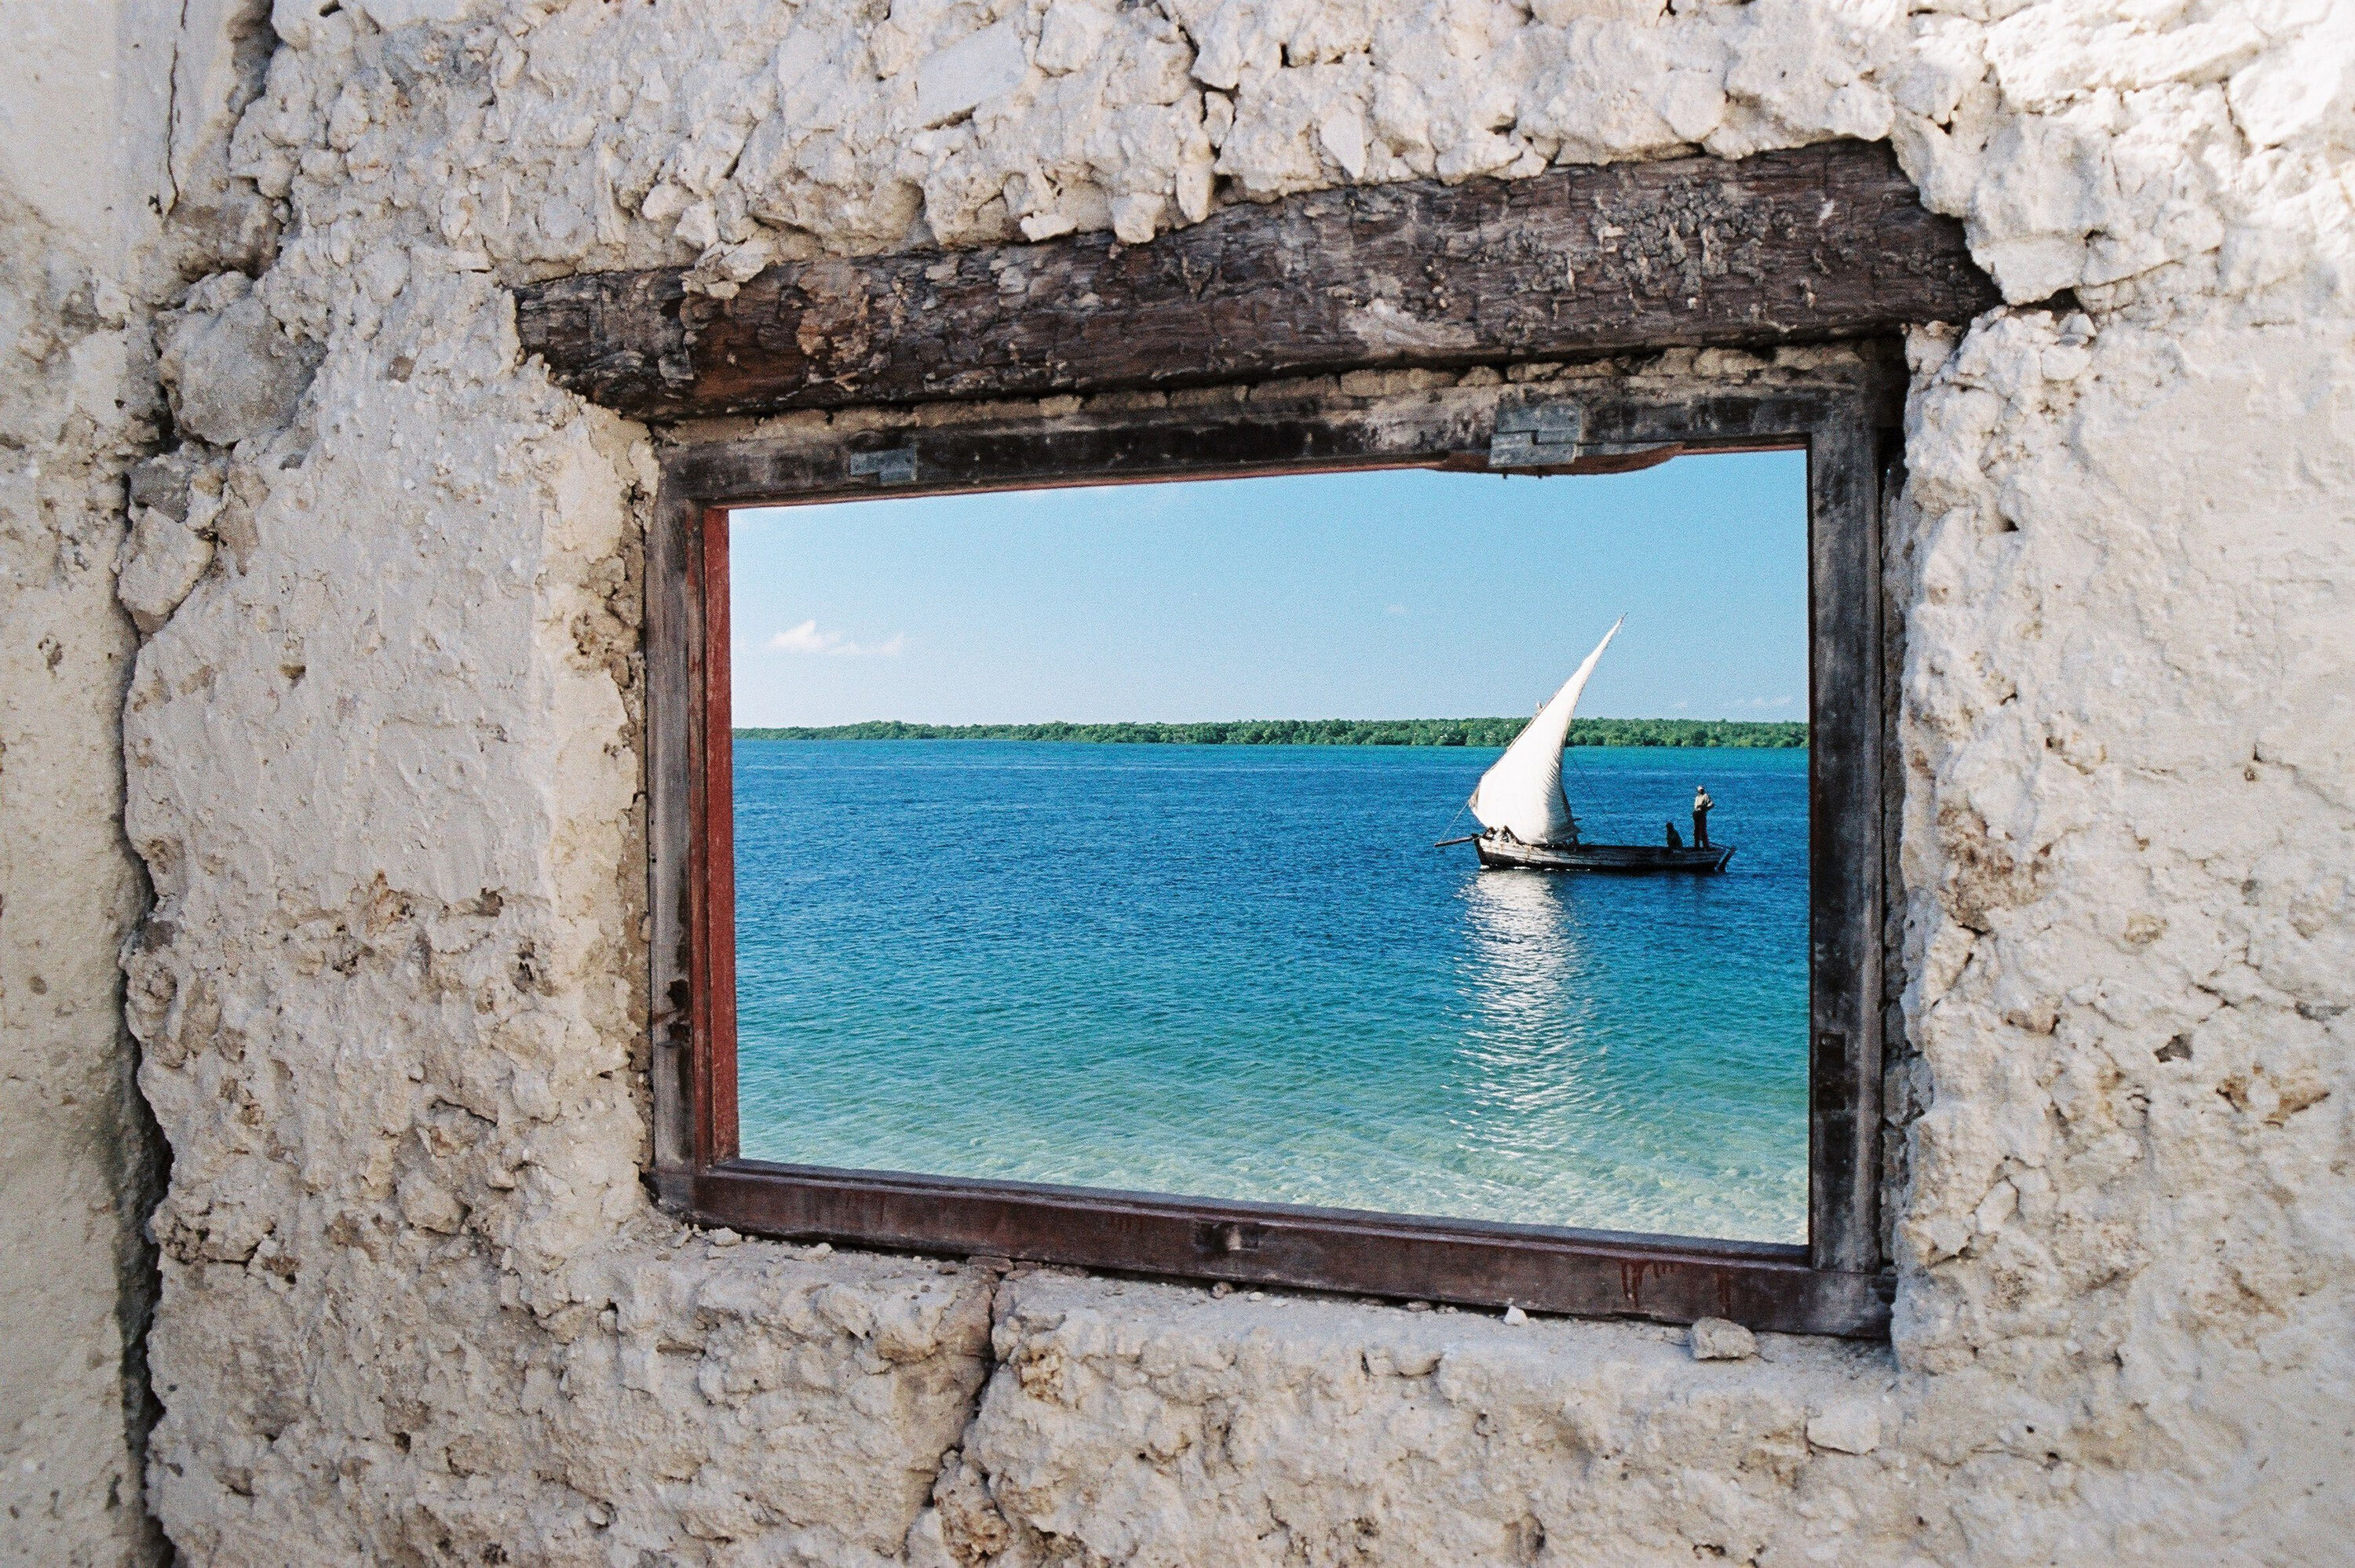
[(713, 1013)]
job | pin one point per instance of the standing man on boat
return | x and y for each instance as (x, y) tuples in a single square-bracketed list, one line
[(1701, 804)]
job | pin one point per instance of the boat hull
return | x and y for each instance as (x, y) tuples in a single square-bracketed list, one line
[(1497, 854)]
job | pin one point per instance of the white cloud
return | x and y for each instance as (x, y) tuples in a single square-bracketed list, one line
[(1393, 609), (1768, 703), (803, 638), (807, 639)]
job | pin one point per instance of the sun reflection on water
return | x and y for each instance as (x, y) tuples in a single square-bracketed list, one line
[(1527, 977)]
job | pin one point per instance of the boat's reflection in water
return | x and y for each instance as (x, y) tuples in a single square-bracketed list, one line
[(1530, 1006)]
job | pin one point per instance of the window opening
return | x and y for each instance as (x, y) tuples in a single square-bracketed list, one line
[(1054, 863)]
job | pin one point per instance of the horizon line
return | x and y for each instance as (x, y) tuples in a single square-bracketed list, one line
[(1490, 731), (1076, 723)]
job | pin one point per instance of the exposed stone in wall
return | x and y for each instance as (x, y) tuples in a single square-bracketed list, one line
[(2086, 146), (652, 1398), (1152, 1424), (383, 773)]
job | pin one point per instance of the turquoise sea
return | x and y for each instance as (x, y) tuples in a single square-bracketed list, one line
[(1243, 972)]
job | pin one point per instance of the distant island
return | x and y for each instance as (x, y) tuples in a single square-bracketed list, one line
[(1319, 732)]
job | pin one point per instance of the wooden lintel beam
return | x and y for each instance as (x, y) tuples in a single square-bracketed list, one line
[(1820, 243)]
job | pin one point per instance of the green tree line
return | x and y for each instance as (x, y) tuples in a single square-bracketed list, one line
[(1319, 732)]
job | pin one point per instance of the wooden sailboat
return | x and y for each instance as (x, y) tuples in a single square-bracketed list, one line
[(1525, 817)]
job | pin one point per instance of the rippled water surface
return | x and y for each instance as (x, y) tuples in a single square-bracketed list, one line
[(1243, 972)]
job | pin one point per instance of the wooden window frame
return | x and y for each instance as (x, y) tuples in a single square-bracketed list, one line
[(1845, 422), (1183, 345)]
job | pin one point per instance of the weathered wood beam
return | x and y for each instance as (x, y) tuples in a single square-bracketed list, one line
[(1820, 243)]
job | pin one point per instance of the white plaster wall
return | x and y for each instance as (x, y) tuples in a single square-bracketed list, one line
[(69, 1176), (84, 111), (382, 771), (114, 189), (75, 1174)]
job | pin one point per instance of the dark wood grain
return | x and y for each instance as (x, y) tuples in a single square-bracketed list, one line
[(1815, 244), (1846, 824), (1671, 1279), (674, 644)]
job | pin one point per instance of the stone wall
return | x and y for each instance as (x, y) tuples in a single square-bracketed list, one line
[(381, 752)]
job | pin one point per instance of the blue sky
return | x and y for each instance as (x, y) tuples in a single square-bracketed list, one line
[(1400, 594)]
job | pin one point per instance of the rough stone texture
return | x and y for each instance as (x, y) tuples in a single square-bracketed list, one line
[(383, 774), (230, 372), (1154, 1424), (1715, 1339), (160, 562)]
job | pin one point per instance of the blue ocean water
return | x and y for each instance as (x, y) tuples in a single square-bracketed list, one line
[(1243, 972)]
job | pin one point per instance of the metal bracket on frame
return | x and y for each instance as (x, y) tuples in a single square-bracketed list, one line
[(1536, 435), (1552, 436), (897, 466)]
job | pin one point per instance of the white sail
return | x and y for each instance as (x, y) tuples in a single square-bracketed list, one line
[(1522, 790)]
